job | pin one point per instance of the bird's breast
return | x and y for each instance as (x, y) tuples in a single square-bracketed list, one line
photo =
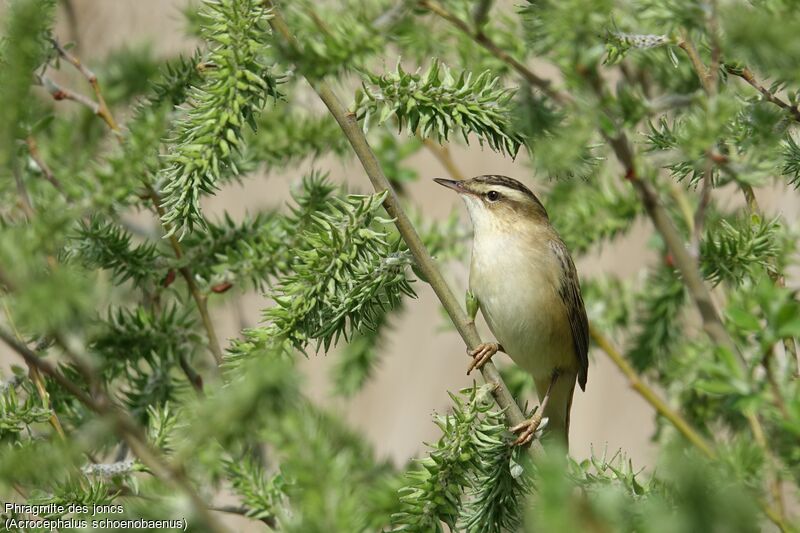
[(517, 285)]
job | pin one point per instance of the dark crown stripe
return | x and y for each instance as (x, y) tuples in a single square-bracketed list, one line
[(511, 183)]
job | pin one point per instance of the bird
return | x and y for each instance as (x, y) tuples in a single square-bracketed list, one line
[(526, 286)]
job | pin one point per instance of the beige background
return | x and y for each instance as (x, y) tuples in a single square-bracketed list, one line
[(422, 361)]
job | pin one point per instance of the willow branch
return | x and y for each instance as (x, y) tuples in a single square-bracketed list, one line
[(124, 426), (747, 75), (197, 295), (689, 268), (706, 76), (686, 264), (543, 84), (62, 93), (101, 109), (427, 266), (651, 397)]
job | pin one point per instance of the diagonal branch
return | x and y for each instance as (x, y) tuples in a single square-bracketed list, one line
[(102, 108), (651, 397), (466, 328), (747, 75)]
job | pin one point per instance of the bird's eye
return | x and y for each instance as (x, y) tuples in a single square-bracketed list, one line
[(492, 196)]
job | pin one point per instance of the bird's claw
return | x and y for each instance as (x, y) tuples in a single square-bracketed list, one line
[(482, 355), (529, 429)]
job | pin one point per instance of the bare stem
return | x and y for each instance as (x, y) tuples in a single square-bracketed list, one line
[(480, 14), (62, 93), (747, 75), (102, 109), (706, 76), (425, 263), (686, 264), (699, 218)]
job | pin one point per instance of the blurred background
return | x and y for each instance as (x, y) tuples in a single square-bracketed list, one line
[(423, 357)]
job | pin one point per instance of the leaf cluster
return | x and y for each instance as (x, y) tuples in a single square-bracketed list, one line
[(236, 85), (436, 103), (470, 478)]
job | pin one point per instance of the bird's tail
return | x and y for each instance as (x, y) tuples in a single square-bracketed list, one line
[(558, 407)]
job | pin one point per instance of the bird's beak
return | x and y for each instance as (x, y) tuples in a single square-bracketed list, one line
[(456, 185)]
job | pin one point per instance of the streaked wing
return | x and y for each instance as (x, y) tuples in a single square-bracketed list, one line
[(570, 292)]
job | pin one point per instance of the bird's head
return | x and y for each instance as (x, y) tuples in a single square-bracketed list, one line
[(498, 202)]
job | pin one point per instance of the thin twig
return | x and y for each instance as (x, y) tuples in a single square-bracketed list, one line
[(706, 77), (61, 93), (686, 264), (102, 108), (123, 425), (425, 263), (199, 298), (72, 22), (651, 397), (480, 13), (33, 150), (195, 379), (716, 48), (747, 75), (22, 191), (689, 268)]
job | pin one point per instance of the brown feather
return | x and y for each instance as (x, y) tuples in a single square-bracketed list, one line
[(570, 292)]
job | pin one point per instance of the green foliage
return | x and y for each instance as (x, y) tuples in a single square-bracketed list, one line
[(138, 160), (260, 495), (347, 273), (101, 244), (90, 284), (259, 248), (235, 87), (286, 136), (659, 315), (587, 215), (357, 361), (26, 24), (334, 38), (436, 103), (18, 414), (791, 166), (619, 44), (740, 248), (472, 457)]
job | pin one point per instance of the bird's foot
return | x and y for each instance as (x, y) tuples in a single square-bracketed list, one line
[(482, 355), (529, 429)]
